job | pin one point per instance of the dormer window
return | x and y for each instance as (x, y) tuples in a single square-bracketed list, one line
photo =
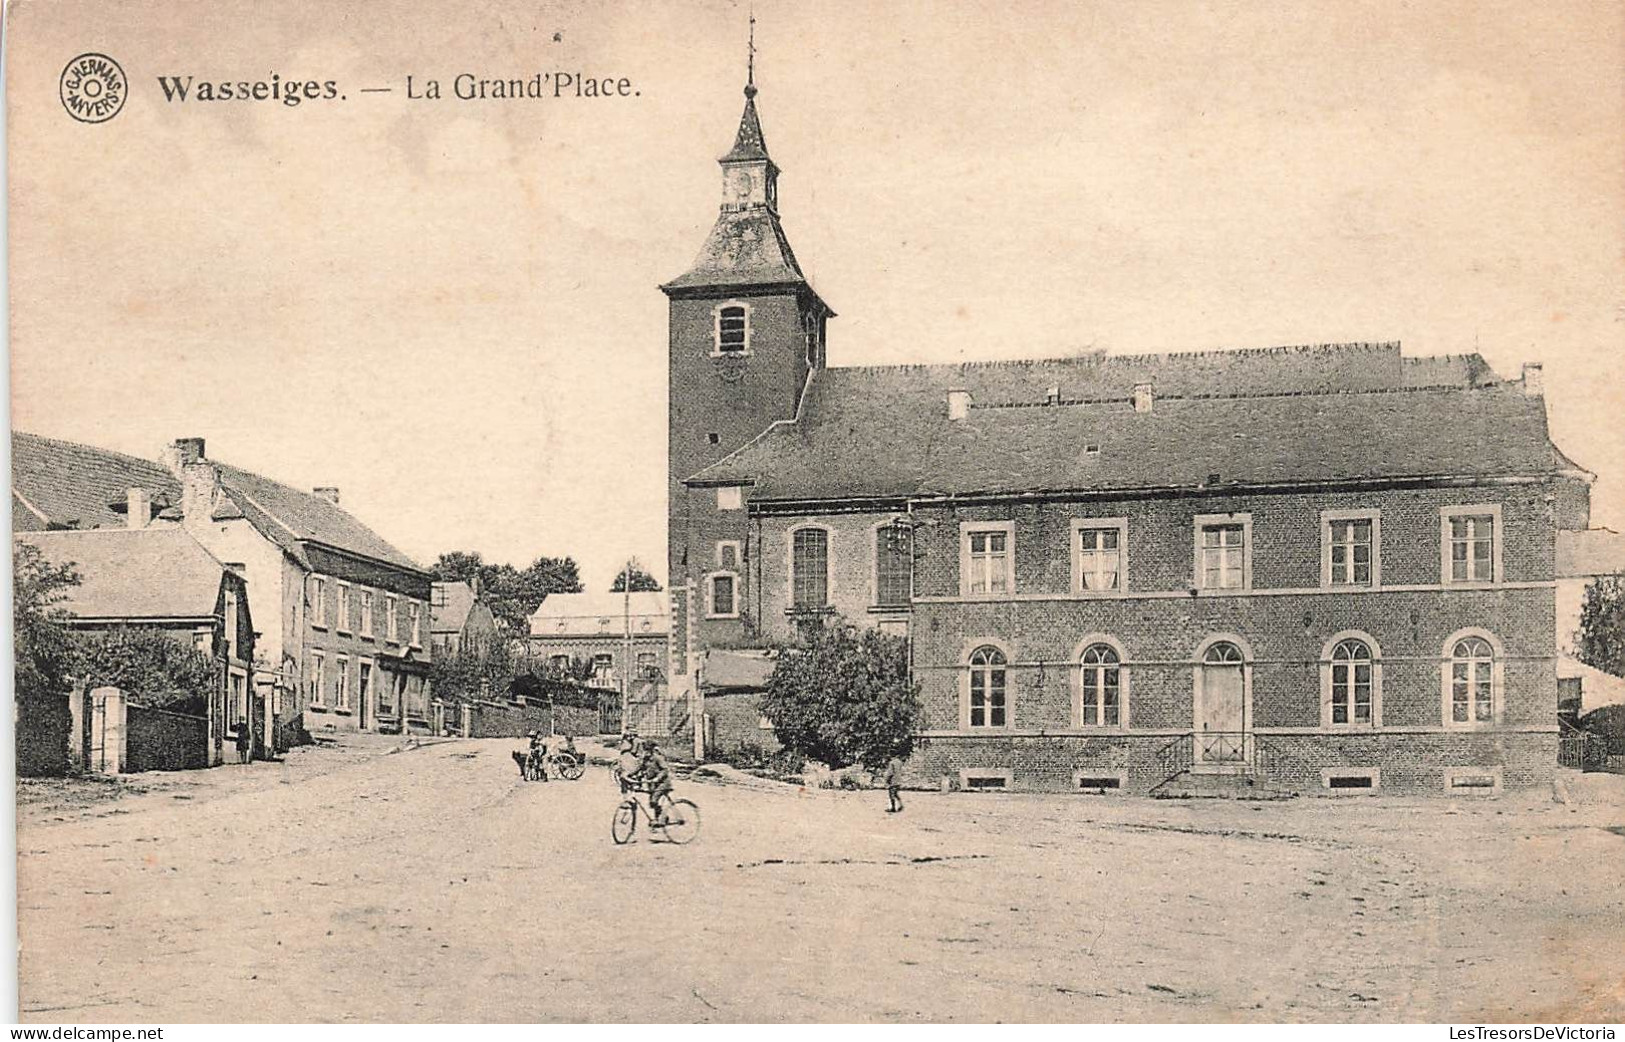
[(732, 329)]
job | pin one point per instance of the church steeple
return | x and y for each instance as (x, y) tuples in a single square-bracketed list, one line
[(750, 178)]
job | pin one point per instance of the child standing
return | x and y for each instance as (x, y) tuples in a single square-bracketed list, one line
[(894, 784)]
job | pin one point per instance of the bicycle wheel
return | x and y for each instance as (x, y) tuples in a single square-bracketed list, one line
[(572, 769), (682, 821), (625, 822)]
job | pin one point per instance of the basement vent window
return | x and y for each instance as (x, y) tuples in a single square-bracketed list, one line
[(1349, 781), (1089, 784), (984, 780), (1091, 450), (1473, 781)]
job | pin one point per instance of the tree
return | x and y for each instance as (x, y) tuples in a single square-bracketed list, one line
[(44, 645), (513, 595), (844, 697), (149, 666), (479, 668), (642, 581), (1601, 640)]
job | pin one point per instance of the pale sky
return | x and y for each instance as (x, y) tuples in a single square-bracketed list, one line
[(449, 309)]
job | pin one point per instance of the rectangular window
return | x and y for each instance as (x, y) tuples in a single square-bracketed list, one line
[(392, 619), (318, 602), (366, 613), (239, 698), (732, 329), (648, 665), (415, 617), (728, 554), (341, 619), (231, 624), (561, 663), (809, 569), (894, 565), (603, 667), (341, 682), (318, 679), (724, 599), (987, 560), (1351, 553), (1472, 548), (1222, 556), (1099, 555)]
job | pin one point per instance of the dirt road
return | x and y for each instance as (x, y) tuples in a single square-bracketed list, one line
[(435, 885)]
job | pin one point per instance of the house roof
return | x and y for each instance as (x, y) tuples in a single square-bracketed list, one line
[(1275, 416), (1593, 551), (570, 614), (449, 606), (75, 486), (135, 574), (82, 486)]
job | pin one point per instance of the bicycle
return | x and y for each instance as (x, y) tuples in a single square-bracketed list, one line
[(682, 822)]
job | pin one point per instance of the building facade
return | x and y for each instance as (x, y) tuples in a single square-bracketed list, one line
[(459, 619), (1327, 568)]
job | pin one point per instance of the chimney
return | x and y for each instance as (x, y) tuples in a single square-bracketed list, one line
[(200, 490), (139, 506), (958, 404), (327, 492), (182, 452), (1143, 397), (1534, 379)]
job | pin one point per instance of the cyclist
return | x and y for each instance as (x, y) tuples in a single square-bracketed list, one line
[(626, 764), (655, 776)]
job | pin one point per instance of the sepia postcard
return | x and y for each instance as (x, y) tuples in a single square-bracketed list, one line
[(718, 513)]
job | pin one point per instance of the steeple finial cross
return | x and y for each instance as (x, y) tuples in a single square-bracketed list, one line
[(750, 60)]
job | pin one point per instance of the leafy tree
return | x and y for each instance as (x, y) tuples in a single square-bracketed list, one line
[(478, 669), (44, 645), (1601, 640), (513, 595), (642, 581), (842, 696), (149, 666)]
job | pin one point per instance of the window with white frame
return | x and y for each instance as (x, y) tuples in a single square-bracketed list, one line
[(1470, 538), (986, 559), (1352, 684), (1223, 556), (239, 698), (603, 667), (809, 569), (231, 624), (318, 678), (392, 619), (341, 682), (366, 613), (414, 616), (894, 565), (341, 619), (732, 329), (1472, 682), (1099, 552), (1351, 548), (988, 704), (729, 554), (730, 497), (722, 595), (318, 602), (1100, 692)]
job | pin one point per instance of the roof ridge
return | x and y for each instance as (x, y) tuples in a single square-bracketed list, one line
[(1102, 357), (1239, 396)]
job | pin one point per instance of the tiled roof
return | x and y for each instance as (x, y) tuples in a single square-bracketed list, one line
[(749, 145), (79, 486), (1593, 551), (745, 248), (1252, 417), (306, 516), (75, 485), (449, 607), (579, 613), (151, 573)]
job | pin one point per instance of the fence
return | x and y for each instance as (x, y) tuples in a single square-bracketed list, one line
[(44, 732), (159, 740)]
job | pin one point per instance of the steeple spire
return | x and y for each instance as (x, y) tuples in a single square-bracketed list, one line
[(749, 145)]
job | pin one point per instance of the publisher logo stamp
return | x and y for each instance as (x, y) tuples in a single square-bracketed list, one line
[(93, 88)]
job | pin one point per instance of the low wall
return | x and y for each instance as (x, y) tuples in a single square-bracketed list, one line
[(502, 720), (44, 730), (158, 740), (574, 720)]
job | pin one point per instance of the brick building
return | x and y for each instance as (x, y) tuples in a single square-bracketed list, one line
[(1330, 568), (344, 616)]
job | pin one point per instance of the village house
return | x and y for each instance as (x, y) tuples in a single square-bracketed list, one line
[(459, 619), (164, 580), (1325, 568), (344, 615)]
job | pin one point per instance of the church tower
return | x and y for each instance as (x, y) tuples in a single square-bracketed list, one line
[(745, 330)]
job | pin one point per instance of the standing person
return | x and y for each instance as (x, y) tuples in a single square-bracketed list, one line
[(894, 784), (538, 755), (245, 741)]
